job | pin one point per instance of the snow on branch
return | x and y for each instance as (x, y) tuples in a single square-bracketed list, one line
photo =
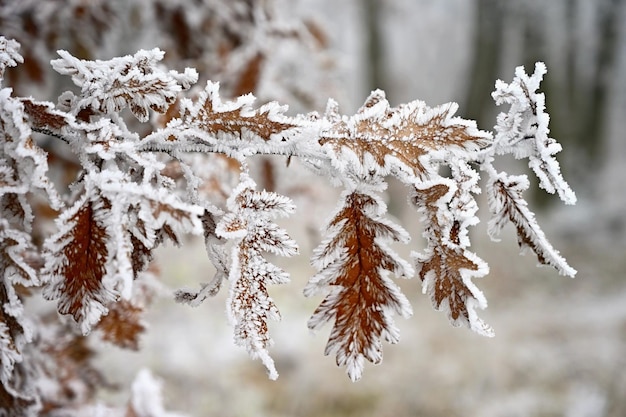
[(235, 128), (135, 191)]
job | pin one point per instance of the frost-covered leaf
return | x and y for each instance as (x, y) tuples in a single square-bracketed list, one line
[(146, 397), (402, 140), (235, 118), (16, 331), (133, 81), (107, 238), (44, 117), (15, 246), (77, 261), (9, 55), (232, 127), (24, 165), (67, 378), (507, 204), (14, 334), (249, 225), (523, 131), (122, 325), (161, 214), (353, 264), (446, 267)]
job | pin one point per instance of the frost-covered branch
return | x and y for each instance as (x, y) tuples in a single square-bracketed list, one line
[(523, 132), (179, 168)]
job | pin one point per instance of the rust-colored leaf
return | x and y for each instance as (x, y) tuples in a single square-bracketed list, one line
[(446, 267), (141, 255), (43, 116), (86, 256), (12, 207), (236, 118), (365, 298), (446, 264), (78, 265), (11, 324), (507, 204), (400, 137), (123, 325)]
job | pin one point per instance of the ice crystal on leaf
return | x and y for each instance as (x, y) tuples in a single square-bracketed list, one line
[(92, 260), (507, 204), (232, 127), (135, 191), (123, 325), (23, 164), (446, 267), (16, 331), (78, 262), (354, 262), (401, 141), (249, 226), (9, 55), (131, 81), (523, 131)]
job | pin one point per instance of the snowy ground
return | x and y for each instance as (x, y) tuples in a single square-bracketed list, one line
[(559, 350)]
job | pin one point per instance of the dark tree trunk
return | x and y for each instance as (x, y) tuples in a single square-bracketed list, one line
[(488, 34)]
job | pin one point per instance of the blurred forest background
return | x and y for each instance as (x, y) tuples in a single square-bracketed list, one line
[(560, 346)]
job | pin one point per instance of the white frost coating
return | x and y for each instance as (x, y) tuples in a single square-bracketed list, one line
[(476, 323), (14, 270), (233, 138), (356, 335), (93, 305), (329, 266), (29, 164), (132, 200), (117, 203), (9, 55), (523, 131), (20, 243), (477, 300), (146, 398), (8, 354), (249, 226), (133, 81), (456, 208), (156, 208), (119, 271), (505, 201), (354, 366), (393, 135)]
